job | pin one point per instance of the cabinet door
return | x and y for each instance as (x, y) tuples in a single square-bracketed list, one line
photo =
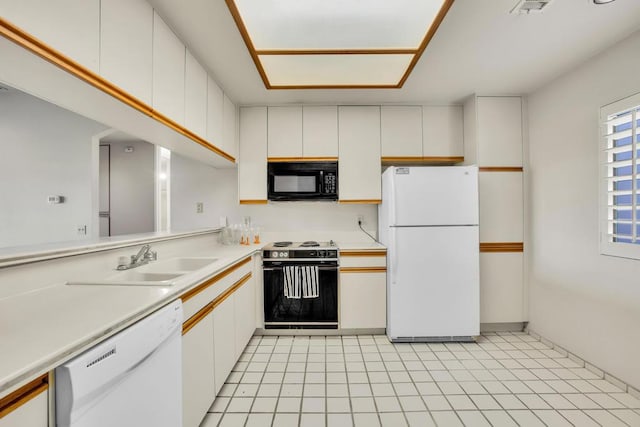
[(501, 207), (224, 340), (499, 127), (443, 130), (501, 288), (34, 413), (215, 105), (401, 131), (229, 136), (168, 71), (198, 377), (195, 101), (359, 154), (320, 131), (284, 132), (363, 300), (71, 27), (245, 323), (126, 45), (252, 167)]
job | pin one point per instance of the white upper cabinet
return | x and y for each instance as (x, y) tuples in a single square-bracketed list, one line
[(442, 131), (229, 126), (71, 27), (252, 166), (215, 106), (499, 127), (320, 131), (126, 44), (168, 71), (284, 132), (359, 167), (195, 101), (401, 131)]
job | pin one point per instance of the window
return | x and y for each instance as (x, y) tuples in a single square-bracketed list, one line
[(620, 178)]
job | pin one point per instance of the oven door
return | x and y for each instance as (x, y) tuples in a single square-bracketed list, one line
[(303, 313)]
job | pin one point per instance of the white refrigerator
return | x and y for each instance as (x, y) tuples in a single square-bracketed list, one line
[(428, 220)]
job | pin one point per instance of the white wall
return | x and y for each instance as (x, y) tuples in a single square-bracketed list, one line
[(132, 188), (579, 299), (45, 150), (218, 189)]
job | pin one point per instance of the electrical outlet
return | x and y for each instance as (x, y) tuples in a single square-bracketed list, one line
[(199, 207), (82, 230), (360, 219)]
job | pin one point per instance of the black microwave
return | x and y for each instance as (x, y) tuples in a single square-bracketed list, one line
[(290, 181)]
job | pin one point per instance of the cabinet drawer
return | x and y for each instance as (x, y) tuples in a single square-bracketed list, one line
[(356, 259), (203, 294)]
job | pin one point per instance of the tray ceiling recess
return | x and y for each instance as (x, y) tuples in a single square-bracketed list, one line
[(337, 44)]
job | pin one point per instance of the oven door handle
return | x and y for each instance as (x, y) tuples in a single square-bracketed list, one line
[(333, 267)]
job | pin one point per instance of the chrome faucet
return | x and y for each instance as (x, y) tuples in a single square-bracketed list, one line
[(144, 256)]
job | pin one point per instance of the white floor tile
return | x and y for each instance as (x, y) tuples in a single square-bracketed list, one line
[(485, 401), (240, 404), (604, 418), (233, 420), (380, 390), (288, 404), (412, 403), (473, 418), (627, 415), (388, 404), (606, 401), (363, 404), (557, 401), (219, 404), (259, 420), (313, 404), (499, 419), (393, 419), (286, 420), (627, 400), (419, 419), (581, 401), (533, 401), (366, 420), (526, 418), (264, 404), (338, 404), (339, 420), (436, 403), (246, 390), (446, 419), (578, 418), (552, 418), (211, 420)]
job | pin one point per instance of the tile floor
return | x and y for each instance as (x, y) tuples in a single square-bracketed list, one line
[(508, 379)]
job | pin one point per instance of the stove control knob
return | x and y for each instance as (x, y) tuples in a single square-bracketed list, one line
[(274, 254), (283, 254)]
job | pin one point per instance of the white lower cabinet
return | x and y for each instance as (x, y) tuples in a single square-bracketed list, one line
[(363, 300), (501, 287), (198, 384), (224, 340), (33, 413), (245, 315)]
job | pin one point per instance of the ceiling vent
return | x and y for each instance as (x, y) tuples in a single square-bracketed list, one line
[(525, 7)]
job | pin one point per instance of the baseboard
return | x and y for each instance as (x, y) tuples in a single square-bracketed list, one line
[(626, 387), (502, 327)]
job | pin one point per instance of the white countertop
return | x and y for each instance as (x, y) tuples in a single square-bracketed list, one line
[(43, 328)]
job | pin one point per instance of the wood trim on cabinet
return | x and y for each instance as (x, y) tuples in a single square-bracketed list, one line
[(204, 285), (363, 269), (204, 311), (501, 169), (372, 253), (32, 44), (24, 394), (253, 202), (417, 53), (502, 247), (422, 160), (220, 299), (301, 159), (360, 201)]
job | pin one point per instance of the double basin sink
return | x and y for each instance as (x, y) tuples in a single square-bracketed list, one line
[(156, 273)]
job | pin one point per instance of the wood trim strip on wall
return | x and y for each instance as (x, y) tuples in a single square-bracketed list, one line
[(367, 86), (301, 159), (501, 169), (32, 44), (24, 394), (372, 253), (204, 285), (337, 52), (427, 38), (361, 201), (220, 299), (501, 247), (204, 311), (253, 202), (423, 160), (363, 269)]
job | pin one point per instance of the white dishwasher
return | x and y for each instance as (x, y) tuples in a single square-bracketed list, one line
[(132, 379)]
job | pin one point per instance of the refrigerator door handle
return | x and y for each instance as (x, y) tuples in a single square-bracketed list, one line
[(394, 256)]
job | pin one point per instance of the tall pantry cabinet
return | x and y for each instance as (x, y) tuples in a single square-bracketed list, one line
[(494, 141)]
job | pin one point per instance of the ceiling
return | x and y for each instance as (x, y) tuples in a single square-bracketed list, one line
[(479, 48)]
